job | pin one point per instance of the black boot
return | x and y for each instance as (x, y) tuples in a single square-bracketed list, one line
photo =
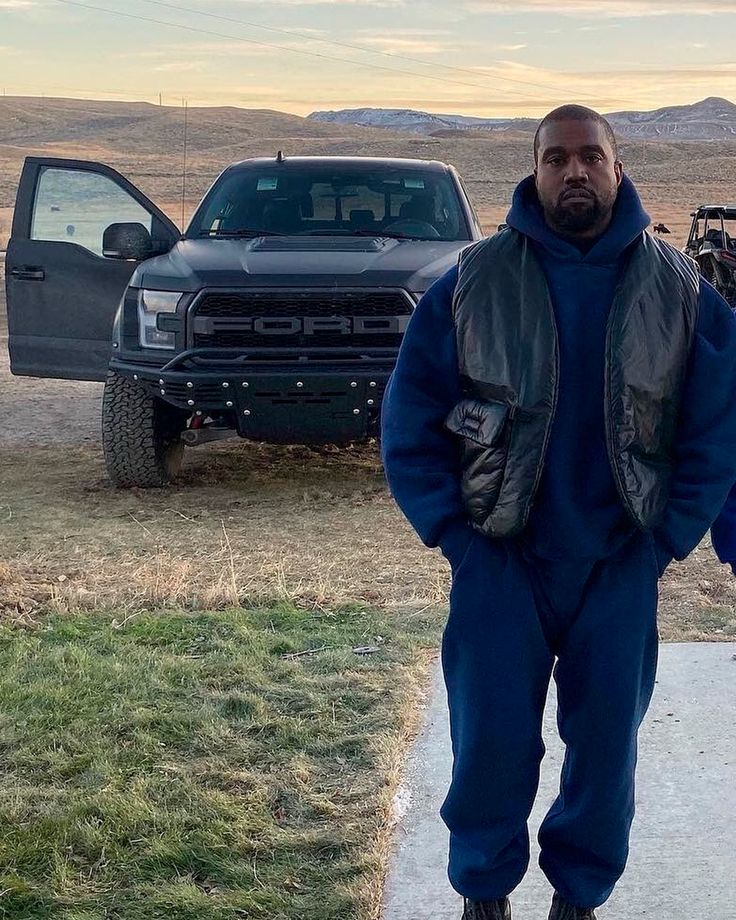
[(500, 909), (561, 910)]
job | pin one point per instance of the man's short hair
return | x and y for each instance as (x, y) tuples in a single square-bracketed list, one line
[(576, 113)]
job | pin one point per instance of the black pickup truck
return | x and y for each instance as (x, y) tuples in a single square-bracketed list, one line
[(276, 316)]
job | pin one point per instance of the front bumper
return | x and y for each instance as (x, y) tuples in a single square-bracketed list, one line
[(318, 404)]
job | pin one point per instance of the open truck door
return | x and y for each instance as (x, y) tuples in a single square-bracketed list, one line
[(79, 231)]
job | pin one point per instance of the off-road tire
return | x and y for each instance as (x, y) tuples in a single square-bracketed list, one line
[(140, 435), (709, 270), (722, 282), (730, 295)]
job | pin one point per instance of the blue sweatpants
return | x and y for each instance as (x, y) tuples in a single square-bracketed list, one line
[(512, 616)]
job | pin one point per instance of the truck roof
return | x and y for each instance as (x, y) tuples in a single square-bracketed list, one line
[(341, 161)]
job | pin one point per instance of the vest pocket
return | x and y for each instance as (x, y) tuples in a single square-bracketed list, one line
[(478, 420), (483, 428)]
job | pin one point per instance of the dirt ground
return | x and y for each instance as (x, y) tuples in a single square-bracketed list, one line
[(249, 520), (245, 521)]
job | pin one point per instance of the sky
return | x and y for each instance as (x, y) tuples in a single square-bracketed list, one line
[(492, 58)]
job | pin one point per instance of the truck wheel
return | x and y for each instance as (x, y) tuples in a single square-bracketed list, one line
[(140, 435)]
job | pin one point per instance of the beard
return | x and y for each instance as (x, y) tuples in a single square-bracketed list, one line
[(580, 217)]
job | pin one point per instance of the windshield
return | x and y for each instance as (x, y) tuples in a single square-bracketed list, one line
[(340, 200)]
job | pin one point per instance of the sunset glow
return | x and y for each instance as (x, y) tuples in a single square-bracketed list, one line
[(483, 57)]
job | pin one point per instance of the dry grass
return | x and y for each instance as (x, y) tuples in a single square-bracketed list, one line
[(246, 523), (6, 218)]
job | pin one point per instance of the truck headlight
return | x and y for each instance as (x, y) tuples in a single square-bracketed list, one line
[(150, 304)]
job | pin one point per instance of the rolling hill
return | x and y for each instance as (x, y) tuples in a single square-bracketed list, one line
[(145, 143)]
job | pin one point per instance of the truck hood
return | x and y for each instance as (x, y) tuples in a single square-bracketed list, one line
[(316, 261)]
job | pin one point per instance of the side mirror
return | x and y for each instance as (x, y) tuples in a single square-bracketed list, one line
[(127, 241)]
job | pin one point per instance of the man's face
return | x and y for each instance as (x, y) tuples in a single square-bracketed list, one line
[(577, 177)]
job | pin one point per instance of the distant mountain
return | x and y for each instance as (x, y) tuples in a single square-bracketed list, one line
[(711, 119), (418, 122)]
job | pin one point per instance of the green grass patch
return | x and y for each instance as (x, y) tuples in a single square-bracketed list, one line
[(179, 766), (718, 620)]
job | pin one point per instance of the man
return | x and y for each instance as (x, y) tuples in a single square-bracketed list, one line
[(561, 422)]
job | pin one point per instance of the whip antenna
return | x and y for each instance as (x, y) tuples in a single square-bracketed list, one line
[(184, 167)]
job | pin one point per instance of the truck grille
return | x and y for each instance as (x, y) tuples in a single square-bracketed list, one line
[(274, 319)]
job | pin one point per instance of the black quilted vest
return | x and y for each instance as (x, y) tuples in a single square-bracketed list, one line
[(508, 361)]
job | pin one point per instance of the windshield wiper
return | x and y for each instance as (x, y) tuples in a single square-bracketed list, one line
[(241, 232)]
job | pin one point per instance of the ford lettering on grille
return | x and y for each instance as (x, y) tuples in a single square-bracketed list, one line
[(303, 325), (314, 319)]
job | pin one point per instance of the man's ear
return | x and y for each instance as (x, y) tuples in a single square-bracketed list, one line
[(618, 168)]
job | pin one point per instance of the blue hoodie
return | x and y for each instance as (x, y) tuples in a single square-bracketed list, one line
[(577, 513)]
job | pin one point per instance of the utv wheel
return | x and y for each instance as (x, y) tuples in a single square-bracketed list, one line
[(710, 272), (140, 435)]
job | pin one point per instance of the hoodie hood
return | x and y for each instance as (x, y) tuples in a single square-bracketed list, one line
[(628, 222)]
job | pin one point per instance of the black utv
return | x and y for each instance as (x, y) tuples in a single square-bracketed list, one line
[(277, 315), (712, 243)]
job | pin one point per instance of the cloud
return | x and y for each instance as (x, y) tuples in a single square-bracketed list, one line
[(675, 76), (624, 9), (508, 47), (404, 42), (179, 67), (207, 50), (249, 96), (571, 78), (540, 89), (16, 4), (378, 4), (398, 45)]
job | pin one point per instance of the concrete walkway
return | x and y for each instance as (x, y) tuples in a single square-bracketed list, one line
[(683, 847)]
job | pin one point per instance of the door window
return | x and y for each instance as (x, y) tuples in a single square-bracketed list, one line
[(75, 206)]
